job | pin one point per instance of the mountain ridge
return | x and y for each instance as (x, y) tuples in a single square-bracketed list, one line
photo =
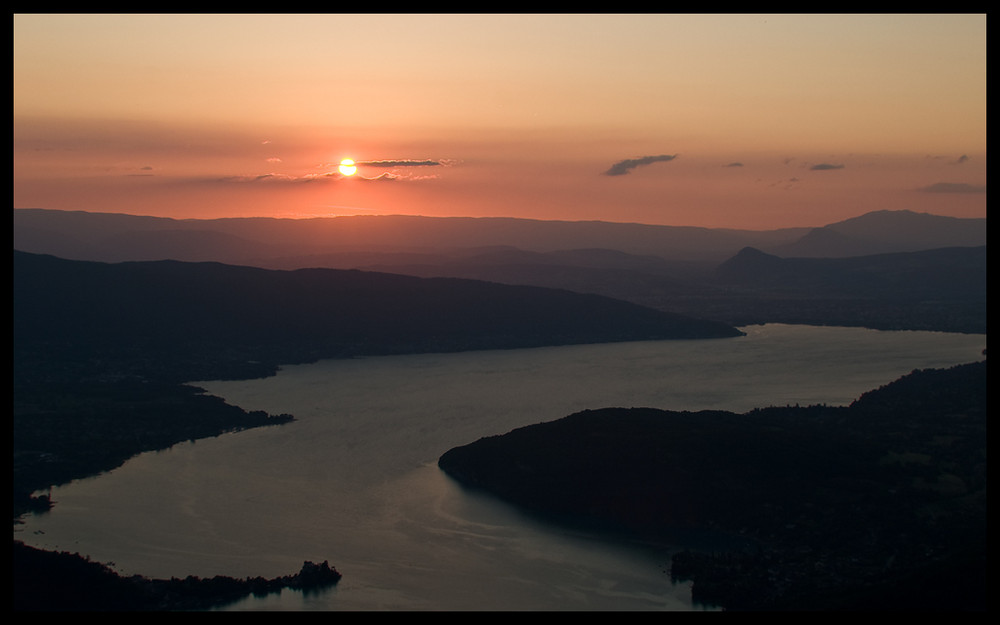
[(104, 236), (197, 312), (696, 272), (941, 273), (885, 231)]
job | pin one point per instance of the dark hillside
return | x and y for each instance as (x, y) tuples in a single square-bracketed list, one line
[(250, 241), (940, 289), (261, 241), (944, 274), (903, 280), (865, 506), (886, 231), (206, 312)]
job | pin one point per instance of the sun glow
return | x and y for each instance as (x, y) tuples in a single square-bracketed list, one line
[(347, 167)]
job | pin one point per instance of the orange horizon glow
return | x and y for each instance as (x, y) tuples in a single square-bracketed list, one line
[(739, 121)]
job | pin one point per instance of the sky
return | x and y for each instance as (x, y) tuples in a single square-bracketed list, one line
[(747, 121)]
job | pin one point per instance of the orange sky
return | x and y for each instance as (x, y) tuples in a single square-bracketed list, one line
[(762, 121)]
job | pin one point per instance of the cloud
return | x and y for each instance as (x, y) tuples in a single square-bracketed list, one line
[(623, 167), (736, 164), (825, 166), (270, 177), (956, 161), (400, 163), (395, 164), (329, 172), (785, 184), (274, 178), (383, 176), (954, 187)]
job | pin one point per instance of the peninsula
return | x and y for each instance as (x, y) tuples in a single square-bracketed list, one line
[(867, 506)]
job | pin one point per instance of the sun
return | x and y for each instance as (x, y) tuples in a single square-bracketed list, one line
[(347, 167)]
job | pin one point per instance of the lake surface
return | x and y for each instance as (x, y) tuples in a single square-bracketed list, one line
[(354, 479)]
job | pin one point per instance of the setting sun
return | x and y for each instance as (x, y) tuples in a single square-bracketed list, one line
[(901, 109), (347, 167)]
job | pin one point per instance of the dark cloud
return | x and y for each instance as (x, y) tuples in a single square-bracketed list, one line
[(954, 187), (623, 167), (825, 166), (331, 173), (954, 161), (736, 164), (400, 163), (286, 179), (785, 184)]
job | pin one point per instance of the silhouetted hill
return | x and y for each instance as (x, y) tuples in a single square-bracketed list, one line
[(46, 581), (207, 312), (839, 507), (183, 245), (886, 231), (259, 241), (949, 273), (662, 267), (750, 263), (471, 259), (104, 237), (646, 280), (941, 289)]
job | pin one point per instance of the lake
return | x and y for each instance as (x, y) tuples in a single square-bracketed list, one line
[(354, 479)]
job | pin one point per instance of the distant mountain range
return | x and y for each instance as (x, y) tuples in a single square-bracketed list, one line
[(941, 289), (887, 269), (882, 232), (348, 242), (940, 274)]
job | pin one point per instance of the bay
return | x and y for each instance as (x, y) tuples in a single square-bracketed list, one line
[(354, 479)]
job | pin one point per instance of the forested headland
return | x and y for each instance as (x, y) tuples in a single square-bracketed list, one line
[(876, 505)]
